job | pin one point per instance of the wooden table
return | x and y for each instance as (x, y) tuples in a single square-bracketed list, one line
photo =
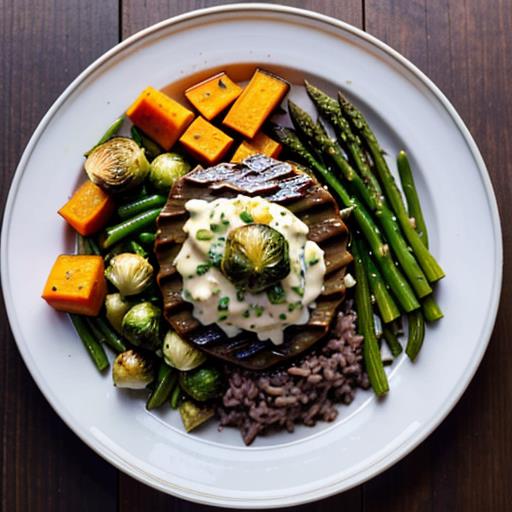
[(465, 47)]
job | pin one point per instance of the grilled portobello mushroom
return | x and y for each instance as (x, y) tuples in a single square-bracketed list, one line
[(276, 181)]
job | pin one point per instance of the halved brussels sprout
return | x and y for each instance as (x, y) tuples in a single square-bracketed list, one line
[(255, 257), (181, 355), (132, 370), (193, 415), (115, 309), (117, 165), (141, 325), (166, 169), (202, 384), (130, 273)]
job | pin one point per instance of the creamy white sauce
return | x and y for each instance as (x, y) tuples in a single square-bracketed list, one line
[(214, 296)]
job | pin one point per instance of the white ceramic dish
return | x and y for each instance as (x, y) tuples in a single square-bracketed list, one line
[(407, 111)]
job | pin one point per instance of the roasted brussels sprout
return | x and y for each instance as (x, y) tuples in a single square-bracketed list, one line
[(193, 415), (202, 384), (116, 307), (179, 354), (132, 370), (129, 273), (117, 165), (141, 325), (255, 257), (166, 169)]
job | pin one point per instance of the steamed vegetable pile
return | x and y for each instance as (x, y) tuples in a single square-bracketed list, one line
[(109, 289)]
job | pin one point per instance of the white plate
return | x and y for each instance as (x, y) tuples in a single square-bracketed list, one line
[(407, 111)]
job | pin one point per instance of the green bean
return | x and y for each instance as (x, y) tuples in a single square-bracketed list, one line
[(366, 326), (93, 347), (136, 136), (392, 341), (416, 334), (151, 147), (141, 205), (111, 131), (98, 335), (138, 249), (176, 396), (147, 238), (130, 227), (166, 379), (94, 247), (112, 339), (82, 245)]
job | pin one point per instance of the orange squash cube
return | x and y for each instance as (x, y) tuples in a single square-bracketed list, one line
[(261, 143), (206, 142), (258, 100), (89, 209), (159, 116), (76, 284), (213, 95)]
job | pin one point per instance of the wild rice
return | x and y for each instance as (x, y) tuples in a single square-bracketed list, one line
[(304, 392)]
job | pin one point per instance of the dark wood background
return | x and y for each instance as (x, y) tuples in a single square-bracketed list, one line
[(465, 47)]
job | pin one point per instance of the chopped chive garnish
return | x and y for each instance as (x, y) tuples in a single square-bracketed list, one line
[(282, 316), (187, 295), (203, 268), (215, 257), (293, 306), (276, 294), (299, 290), (314, 261), (204, 234), (240, 295), (246, 313), (223, 304), (223, 317), (246, 217), (258, 310)]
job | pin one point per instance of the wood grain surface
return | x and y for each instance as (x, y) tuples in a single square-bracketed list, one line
[(465, 47)]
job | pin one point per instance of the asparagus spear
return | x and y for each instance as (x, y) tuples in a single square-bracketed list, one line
[(428, 263), (411, 196), (431, 310), (392, 341), (330, 109), (387, 307), (416, 334), (365, 326), (305, 125), (392, 274)]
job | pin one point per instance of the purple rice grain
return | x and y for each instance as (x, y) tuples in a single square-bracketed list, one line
[(305, 392)]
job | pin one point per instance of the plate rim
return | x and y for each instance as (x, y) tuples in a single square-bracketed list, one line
[(396, 455)]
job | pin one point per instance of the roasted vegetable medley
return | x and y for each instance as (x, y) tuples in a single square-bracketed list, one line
[(109, 287)]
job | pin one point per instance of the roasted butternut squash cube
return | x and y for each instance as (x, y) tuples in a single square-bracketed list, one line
[(206, 142), (261, 143), (213, 95), (160, 117), (76, 284), (89, 209), (258, 100)]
